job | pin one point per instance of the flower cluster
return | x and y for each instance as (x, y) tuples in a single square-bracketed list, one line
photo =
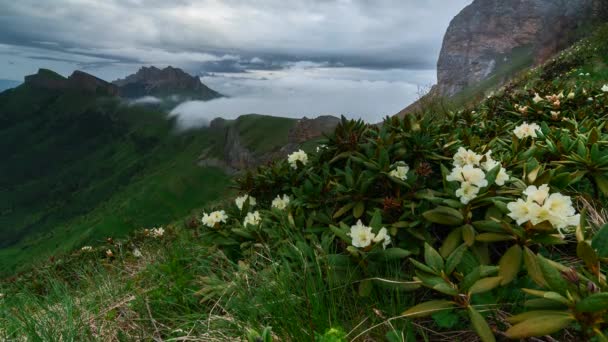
[(298, 156), (280, 203), (252, 219), (157, 233), (363, 236), (540, 206), (400, 171), (526, 130), (521, 109), (211, 219), (240, 201), (470, 171), (87, 249)]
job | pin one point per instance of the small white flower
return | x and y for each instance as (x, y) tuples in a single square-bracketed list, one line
[(467, 192), (298, 156), (240, 201), (137, 253), (383, 236), (321, 148), (605, 88), (280, 203), (362, 235), (526, 130), (86, 249), (466, 157), (502, 177), (537, 98), (571, 95), (157, 233), (211, 219), (109, 253), (519, 211), (400, 172), (538, 195), (252, 219)]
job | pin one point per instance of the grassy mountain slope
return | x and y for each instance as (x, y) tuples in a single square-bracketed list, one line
[(78, 168), (451, 270)]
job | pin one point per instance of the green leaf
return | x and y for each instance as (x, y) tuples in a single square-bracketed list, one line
[(533, 268), (493, 237), (594, 303), (485, 285), (509, 264), (540, 325), (343, 210), (450, 242), (489, 226), (342, 234), (446, 319), (394, 253), (552, 276), (444, 216), (480, 326), (454, 259), (359, 209), (600, 242), (589, 256), (365, 288), (468, 234), (423, 267), (432, 258), (376, 221), (428, 308)]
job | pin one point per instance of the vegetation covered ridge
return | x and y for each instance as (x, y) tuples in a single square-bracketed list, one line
[(483, 223)]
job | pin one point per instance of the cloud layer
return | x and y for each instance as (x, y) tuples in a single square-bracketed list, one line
[(220, 34)]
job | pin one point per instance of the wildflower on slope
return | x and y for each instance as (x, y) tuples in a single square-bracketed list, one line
[(137, 253), (466, 157), (252, 219), (605, 88), (468, 174), (400, 172), (537, 98), (86, 249), (211, 219), (298, 156), (571, 95), (362, 235), (383, 237), (526, 130), (157, 232), (280, 203), (467, 192), (490, 164), (239, 201), (321, 148), (109, 253), (540, 206)]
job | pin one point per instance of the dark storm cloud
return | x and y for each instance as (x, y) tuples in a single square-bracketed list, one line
[(232, 35)]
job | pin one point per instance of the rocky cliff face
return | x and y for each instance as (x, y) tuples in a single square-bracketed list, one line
[(489, 34), (152, 81)]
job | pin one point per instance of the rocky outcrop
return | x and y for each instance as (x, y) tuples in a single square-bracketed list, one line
[(490, 33), (78, 81), (152, 81), (306, 129)]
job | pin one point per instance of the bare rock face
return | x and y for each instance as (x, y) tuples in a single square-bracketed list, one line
[(307, 129), (152, 81), (489, 34)]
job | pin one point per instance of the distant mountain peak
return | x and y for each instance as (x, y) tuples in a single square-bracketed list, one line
[(152, 81), (79, 80)]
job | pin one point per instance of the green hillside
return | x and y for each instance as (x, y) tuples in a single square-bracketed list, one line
[(79, 168), (483, 223)]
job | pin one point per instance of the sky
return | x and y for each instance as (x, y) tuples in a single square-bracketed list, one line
[(281, 57)]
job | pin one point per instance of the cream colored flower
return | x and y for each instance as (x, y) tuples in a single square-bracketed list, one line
[(466, 157), (252, 219), (502, 177), (109, 253), (467, 192), (240, 201), (157, 233), (86, 249), (361, 235), (537, 98), (280, 203), (383, 236), (526, 130), (298, 156), (519, 211), (137, 253), (400, 172), (211, 219), (538, 195), (571, 95), (605, 88)]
